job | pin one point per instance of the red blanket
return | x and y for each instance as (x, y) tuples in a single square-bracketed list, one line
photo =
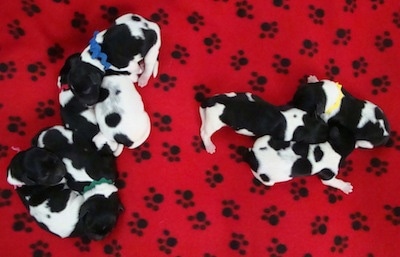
[(179, 200)]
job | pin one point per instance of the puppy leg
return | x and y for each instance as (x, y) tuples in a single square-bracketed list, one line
[(312, 79), (328, 178), (210, 123), (150, 66)]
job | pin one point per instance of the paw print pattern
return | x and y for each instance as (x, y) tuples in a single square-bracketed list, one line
[(180, 53), (110, 13), (350, 6), (15, 29), (166, 82), (257, 82), (199, 220), (243, 9), (172, 152), (346, 167), (340, 243), (359, 66), (257, 187), (269, 29), (319, 225), (154, 199), (142, 153), (358, 221), (197, 144), (160, 17), (55, 52), (272, 215), (36, 70), (40, 249), (3, 151), (83, 244), (333, 195), (5, 197), (120, 181), (383, 42), (214, 176), (230, 209), (343, 36), (276, 249), (331, 69), (138, 224), (299, 190), (30, 7), (79, 22), (162, 122), (201, 92), (61, 1), (16, 125), (167, 242), (238, 152), (185, 198), (396, 19), (281, 64), (376, 3), (316, 14), (393, 214), (212, 43), (45, 109), (394, 140), (7, 70), (377, 166), (380, 84), (113, 248), (309, 48), (196, 20), (281, 4), (21, 222), (238, 243), (239, 60)]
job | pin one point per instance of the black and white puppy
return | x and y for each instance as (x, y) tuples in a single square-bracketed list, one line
[(67, 213), (131, 44), (335, 105), (273, 161), (250, 115)]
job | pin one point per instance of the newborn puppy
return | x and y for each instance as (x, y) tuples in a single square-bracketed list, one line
[(273, 161), (336, 106), (250, 115), (120, 113), (132, 44)]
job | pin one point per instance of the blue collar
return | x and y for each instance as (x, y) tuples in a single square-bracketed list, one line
[(96, 52)]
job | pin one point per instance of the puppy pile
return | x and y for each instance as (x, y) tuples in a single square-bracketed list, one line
[(320, 127), (66, 178)]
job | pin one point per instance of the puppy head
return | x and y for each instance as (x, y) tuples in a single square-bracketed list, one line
[(36, 166), (310, 97), (314, 130)]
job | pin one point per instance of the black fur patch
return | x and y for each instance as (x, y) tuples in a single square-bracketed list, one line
[(301, 149), (104, 93), (301, 167), (123, 139), (264, 178), (326, 174), (113, 119), (251, 159), (318, 154), (278, 144)]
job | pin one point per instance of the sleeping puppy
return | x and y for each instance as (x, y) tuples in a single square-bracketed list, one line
[(120, 113), (67, 213), (132, 44), (336, 106), (273, 161), (250, 115)]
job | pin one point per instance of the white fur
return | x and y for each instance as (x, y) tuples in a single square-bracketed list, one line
[(68, 134), (294, 119), (210, 123)]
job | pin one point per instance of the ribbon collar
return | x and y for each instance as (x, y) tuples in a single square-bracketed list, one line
[(96, 53), (336, 104), (95, 183)]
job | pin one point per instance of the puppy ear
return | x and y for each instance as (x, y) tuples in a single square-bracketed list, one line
[(95, 78), (70, 62)]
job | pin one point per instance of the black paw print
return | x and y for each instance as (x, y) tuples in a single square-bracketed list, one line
[(331, 69), (15, 29), (15, 125), (196, 20), (172, 152), (5, 196), (377, 166), (199, 220), (257, 82), (209, 254), (316, 14), (110, 13), (269, 29), (359, 66), (393, 215), (185, 198), (350, 6), (201, 92), (120, 181), (197, 144), (7, 70), (376, 3), (272, 215), (319, 225), (394, 140), (238, 243), (257, 187), (346, 167), (160, 17), (383, 42), (212, 43), (153, 200), (138, 224), (358, 221), (162, 122), (30, 7), (37, 70), (238, 152), (113, 248), (214, 177), (83, 244), (229, 209), (79, 22), (180, 53), (61, 1), (40, 249), (142, 153), (244, 9), (343, 36), (277, 249), (380, 84), (167, 242), (299, 190), (239, 60), (281, 64), (309, 48), (55, 53), (3, 151), (340, 243), (396, 19), (333, 195), (166, 82), (281, 4), (45, 109), (21, 222)]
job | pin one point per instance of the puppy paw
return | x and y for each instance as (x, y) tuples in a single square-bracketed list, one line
[(312, 79), (142, 81), (347, 188), (210, 148), (118, 151)]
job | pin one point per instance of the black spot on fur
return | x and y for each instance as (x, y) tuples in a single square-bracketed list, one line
[(318, 154), (301, 149), (113, 119), (326, 174), (251, 159), (135, 18), (123, 139), (301, 167), (264, 178), (279, 144), (104, 93)]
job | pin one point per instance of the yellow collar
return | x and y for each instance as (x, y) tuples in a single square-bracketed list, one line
[(336, 104)]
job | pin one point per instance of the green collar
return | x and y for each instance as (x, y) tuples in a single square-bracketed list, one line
[(95, 183)]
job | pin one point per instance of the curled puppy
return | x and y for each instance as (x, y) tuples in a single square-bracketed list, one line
[(273, 161), (250, 115), (335, 105)]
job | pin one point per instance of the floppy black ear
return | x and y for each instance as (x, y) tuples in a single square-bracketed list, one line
[(96, 78), (70, 62)]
